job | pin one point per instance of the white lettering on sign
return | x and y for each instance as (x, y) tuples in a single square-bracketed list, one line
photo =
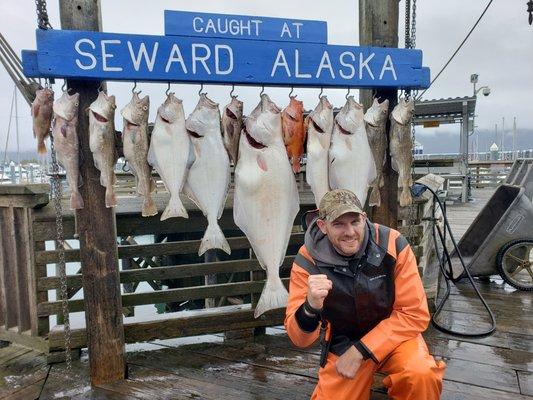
[(345, 64), (364, 64), (143, 53), (202, 59), (388, 66), (281, 61), (106, 55), (297, 25), (297, 73), (175, 56), (84, 53), (236, 27), (285, 29), (195, 26), (229, 51), (325, 63)]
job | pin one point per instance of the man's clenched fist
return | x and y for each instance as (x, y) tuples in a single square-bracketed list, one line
[(318, 288)]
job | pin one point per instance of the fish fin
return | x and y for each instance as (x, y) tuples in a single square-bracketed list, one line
[(261, 162), (274, 296), (148, 209), (41, 147), (110, 197), (187, 191), (405, 197), (174, 208), (76, 201), (214, 239), (375, 198), (35, 111)]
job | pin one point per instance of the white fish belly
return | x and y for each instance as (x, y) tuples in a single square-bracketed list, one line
[(351, 164), (168, 153), (209, 175), (317, 167), (266, 203)]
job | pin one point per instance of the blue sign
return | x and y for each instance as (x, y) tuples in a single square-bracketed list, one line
[(110, 56), (228, 26)]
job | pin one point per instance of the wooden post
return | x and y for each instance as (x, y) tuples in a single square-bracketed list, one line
[(378, 26), (97, 229)]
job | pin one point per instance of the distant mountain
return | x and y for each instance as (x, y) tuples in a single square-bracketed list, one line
[(26, 155)]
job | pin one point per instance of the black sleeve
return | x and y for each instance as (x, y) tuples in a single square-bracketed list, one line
[(343, 343), (305, 322)]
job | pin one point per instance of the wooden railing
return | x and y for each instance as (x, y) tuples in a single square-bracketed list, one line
[(170, 265)]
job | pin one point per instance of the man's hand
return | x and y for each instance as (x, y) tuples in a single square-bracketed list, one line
[(318, 288), (348, 364)]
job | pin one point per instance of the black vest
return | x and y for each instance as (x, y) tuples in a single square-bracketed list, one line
[(359, 300)]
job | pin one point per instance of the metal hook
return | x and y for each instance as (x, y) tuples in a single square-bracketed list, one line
[(292, 90), (347, 94), (201, 88), (135, 87), (167, 92), (101, 87), (262, 90), (63, 87), (232, 90), (320, 94)]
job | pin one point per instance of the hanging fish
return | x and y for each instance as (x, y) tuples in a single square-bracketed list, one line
[(292, 122), (232, 122), (208, 178), (351, 162), (266, 197), (66, 143), (42, 113), (102, 143), (135, 143), (320, 127), (376, 121), (169, 151), (401, 147)]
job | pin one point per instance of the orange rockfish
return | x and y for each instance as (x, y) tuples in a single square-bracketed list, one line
[(292, 121)]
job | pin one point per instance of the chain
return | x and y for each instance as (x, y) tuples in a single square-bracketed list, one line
[(412, 41), (407, 23), (413, 96), (42, 15), (57, 195)]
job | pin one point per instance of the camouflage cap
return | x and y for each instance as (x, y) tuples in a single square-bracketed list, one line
[(338, 202)]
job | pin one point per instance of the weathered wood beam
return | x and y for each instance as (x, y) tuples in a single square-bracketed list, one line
[(166, 296), (378, 26), (170, 272), (214, 321), (96, 226)]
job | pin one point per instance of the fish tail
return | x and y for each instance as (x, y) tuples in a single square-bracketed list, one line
[(214, 239), (41, 147), (375, 198), (405, 197), (76, 202), (110, 197), (174, 208), (274, 296), (149, 209)]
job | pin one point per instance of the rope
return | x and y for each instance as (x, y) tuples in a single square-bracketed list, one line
[(457, 50)]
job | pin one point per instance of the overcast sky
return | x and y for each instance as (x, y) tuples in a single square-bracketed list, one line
[(500, 51)]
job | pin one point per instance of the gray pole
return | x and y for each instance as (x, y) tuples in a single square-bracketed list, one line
[(378, 26)]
